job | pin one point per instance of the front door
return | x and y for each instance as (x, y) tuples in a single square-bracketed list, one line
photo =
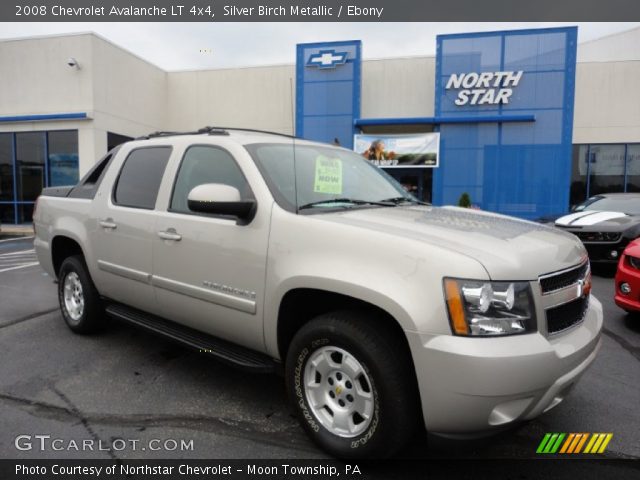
[(209, 270)]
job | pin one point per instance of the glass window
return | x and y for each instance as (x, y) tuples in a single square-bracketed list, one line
[(140, 177), (633, 167), (63, 158), (629, 204), (578, 192), (606, 174), (6, 213), (323, 174), (6, 168), (25, 212), (30, 165), (201, 165)]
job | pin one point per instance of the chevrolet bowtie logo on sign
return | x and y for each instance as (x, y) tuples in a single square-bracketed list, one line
[(574, 443), (327, 59)]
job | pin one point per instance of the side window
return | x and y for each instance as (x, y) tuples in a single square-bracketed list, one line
[(204, 164), (140, 177)]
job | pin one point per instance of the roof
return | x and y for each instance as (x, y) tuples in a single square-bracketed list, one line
[(244, 136)]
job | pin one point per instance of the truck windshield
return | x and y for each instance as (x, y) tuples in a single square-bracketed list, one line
[(325, 178)]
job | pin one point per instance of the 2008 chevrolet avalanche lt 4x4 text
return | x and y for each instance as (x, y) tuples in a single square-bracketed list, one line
[(261, 249)]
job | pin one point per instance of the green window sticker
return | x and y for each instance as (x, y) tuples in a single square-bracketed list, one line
[(328, 175)]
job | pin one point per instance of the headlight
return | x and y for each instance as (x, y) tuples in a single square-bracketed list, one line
[(634, 262), (481, 308)]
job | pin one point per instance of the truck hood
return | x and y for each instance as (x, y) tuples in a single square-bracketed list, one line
[(508, 248)]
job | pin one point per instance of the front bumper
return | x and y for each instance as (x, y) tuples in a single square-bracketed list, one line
[(603, 253), (475, 385)]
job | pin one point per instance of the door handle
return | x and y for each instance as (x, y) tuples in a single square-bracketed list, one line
[(170, 234), (108, 224)]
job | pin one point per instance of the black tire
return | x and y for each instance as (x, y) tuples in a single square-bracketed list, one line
[(384, 356), (92, 317)]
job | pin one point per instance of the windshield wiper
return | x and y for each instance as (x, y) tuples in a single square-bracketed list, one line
[(399, 200), (347, 200)]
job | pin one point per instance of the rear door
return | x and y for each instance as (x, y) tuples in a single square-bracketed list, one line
[(125, 230)]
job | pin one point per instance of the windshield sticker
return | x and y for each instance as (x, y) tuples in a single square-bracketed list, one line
[(328, 175)]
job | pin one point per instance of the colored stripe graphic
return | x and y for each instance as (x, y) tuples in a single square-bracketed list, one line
[(573, 443), (582, 441), (543, 443), (567, 443)]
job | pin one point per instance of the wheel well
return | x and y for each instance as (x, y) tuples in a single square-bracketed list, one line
[(301, 305), (61, 248)]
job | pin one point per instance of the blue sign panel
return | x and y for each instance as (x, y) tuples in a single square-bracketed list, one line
[(328, 91), (516, 168)]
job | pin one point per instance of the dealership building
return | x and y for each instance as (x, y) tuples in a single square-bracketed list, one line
[(528, 122)]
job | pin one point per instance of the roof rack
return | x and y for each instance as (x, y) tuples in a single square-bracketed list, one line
[(211, 131)]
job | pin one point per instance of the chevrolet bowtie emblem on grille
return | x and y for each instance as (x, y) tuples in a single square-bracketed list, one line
[(580, 288), (327, 59)]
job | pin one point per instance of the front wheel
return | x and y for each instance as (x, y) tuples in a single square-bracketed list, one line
[(350, 378), (79, 300)]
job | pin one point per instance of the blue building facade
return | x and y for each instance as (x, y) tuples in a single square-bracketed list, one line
[(506, 163), (503, 106), (328, 91)]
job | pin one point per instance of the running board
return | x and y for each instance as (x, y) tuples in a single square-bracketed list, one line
[(221, 349)]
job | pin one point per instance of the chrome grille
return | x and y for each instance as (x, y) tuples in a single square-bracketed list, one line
[(565, 316), (565, 297), (552, 282), (605, 237)]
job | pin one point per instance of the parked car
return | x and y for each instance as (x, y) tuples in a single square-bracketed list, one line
[(384, 313), (606, 224), (627, 283)]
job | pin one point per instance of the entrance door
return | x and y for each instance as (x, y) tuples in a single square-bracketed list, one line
[(417, 181)]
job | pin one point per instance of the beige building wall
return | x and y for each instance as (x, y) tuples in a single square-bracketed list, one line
[(398, 87), (129, 93), (256, 97), (607, 105)]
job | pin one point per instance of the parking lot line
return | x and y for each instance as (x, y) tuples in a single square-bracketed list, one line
[(19, 252), (17, 239), (32, 264)]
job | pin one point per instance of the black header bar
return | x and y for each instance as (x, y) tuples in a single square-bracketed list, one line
[(318, 10)]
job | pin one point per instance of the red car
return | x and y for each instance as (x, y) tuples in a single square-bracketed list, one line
[(628, 278)]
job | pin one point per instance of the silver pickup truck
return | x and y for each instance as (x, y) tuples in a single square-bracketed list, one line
[(273, 253)]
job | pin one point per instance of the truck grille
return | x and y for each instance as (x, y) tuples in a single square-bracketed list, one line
[(598, 236), (561, 280), (565, 316)]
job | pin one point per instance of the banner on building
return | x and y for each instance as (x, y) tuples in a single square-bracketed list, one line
[(421, 150)]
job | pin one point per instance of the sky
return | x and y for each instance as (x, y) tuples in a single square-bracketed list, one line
[(195, 46)]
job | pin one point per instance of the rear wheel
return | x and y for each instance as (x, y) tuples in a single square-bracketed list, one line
[(351, 381), (79, 300)]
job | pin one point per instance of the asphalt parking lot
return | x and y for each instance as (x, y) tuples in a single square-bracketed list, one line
[(125, 385)]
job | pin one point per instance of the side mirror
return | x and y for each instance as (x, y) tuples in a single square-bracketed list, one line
[(220, 199)]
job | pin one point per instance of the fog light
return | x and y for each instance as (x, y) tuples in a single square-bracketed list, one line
[(613, 254), (625, 288)]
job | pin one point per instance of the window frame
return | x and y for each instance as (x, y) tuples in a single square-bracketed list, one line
[(209, 215), (117, 181)]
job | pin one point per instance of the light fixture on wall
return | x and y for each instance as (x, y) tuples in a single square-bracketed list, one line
[(73, 63)]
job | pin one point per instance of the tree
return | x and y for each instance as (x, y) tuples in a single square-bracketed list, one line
[(464, 201)]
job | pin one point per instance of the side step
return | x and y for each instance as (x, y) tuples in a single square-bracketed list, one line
[(221, 349)]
